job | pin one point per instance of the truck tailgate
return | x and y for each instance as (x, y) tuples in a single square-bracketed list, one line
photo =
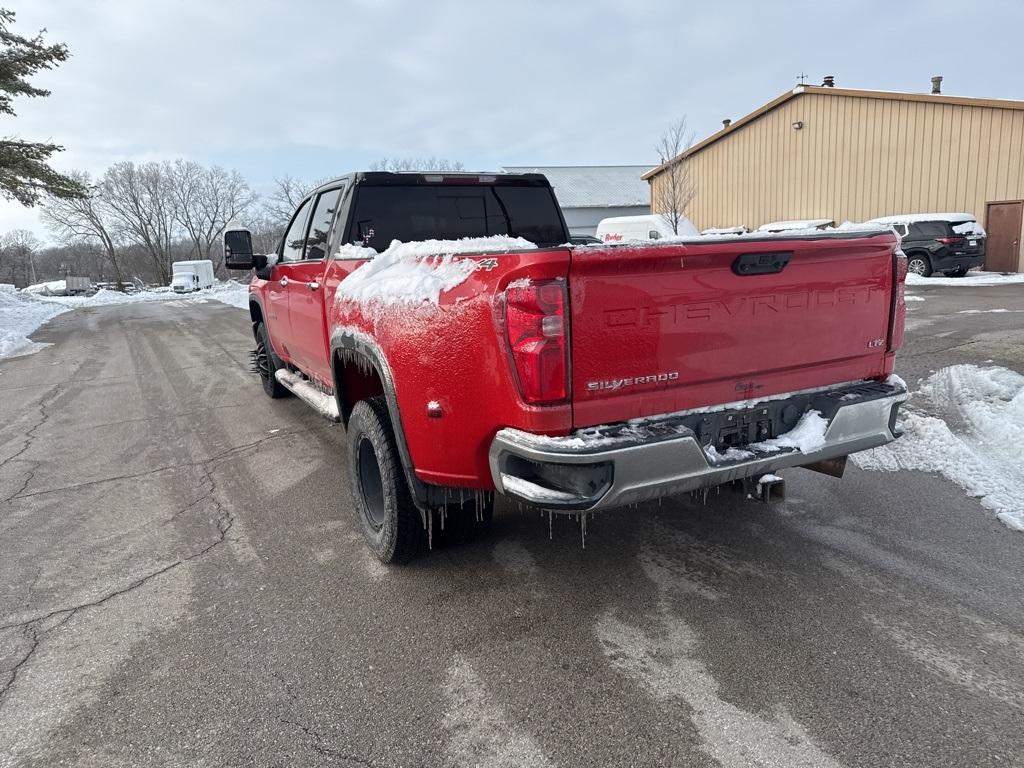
[(663, 328)]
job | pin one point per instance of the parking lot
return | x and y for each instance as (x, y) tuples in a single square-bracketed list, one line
[(182, 583)]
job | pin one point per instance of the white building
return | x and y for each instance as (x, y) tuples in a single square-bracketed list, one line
[(589, 193)]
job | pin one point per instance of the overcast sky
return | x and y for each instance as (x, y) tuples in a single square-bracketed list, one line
[(320, 88)]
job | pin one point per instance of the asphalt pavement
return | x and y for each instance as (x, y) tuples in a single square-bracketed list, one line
[(182, 583)]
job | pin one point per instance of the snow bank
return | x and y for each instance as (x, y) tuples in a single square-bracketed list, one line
[(20, 315), (230, 292), (23, 312), (51, 288), (972, 434), (417, 273), (971, 279)]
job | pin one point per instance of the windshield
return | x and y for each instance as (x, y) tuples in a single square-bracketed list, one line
[(449, 212)]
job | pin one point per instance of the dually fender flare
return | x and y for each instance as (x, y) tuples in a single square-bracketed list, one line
[(354, 344)]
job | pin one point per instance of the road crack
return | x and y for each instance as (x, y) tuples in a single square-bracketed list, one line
[(216, 458), (320, 748)]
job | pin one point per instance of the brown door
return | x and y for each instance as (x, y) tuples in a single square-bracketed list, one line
[(1003, 223)]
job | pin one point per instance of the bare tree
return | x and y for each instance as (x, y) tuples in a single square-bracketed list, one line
[(144, 209), (84, 220), (207, 200), (17, 257), (432, 163), (288, 192), (672, 191)]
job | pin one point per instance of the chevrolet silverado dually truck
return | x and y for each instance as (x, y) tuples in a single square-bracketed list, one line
[(469, 348)]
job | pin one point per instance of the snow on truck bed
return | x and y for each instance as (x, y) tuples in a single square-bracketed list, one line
[(417, 273)]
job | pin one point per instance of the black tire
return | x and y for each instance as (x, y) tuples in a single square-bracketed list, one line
[(267, 364), (386, 514), (919, 264)]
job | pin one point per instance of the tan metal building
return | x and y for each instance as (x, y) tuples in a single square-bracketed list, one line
[(819, 152)]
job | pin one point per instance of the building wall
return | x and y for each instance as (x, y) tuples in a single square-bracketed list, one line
[(584, 221), (857, 158)]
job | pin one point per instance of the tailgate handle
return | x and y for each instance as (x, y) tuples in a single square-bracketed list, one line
[(761, 263)]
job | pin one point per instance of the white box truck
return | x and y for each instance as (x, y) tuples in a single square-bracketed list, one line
[(618, 229), (188, 276)]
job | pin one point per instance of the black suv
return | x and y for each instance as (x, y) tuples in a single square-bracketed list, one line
[(935, 246)]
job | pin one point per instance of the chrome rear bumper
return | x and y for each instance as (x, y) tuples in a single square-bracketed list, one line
[(618, 465)]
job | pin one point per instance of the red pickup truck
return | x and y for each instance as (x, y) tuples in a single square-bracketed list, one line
[(468, 347)]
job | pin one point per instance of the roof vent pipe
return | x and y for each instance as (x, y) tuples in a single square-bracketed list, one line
[(937, 84), (829, 81), (726, 123)]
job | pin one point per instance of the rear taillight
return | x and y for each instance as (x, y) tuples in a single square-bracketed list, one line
[(898, 313), (950, 240), (535, 321)]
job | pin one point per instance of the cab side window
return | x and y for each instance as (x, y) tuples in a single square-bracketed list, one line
[(320, 224), (294, 239)]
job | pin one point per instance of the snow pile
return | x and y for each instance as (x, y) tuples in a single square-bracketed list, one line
[(807, 436), (971, 279), (22, 312), (976, 440), (20, 315), (417, 272), (783, 226), (230, 292), (51, 288), (105, 298), (721, 231)]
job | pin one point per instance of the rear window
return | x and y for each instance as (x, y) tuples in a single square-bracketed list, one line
[(927, 229), (450, 212)]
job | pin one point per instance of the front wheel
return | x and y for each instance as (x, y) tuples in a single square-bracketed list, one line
[(919, 264), (384, 509)]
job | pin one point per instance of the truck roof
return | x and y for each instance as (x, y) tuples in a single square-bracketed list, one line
[(384, 178)]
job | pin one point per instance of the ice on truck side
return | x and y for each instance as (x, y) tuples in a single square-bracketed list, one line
[(469, 350)]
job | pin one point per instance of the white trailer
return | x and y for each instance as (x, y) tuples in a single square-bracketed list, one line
[(191, 276)]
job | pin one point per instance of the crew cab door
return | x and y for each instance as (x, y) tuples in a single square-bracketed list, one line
[(278, 286), (307, 317)]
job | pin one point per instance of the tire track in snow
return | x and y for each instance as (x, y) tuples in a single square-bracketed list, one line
[(480, 732), (665, 662), (973, 435)]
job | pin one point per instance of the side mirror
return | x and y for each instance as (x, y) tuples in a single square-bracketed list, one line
[(238, 249)]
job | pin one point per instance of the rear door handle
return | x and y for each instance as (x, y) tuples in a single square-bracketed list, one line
[(313, 286), (283, 281)]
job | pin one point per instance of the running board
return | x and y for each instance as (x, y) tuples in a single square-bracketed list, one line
[(324, 404)]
